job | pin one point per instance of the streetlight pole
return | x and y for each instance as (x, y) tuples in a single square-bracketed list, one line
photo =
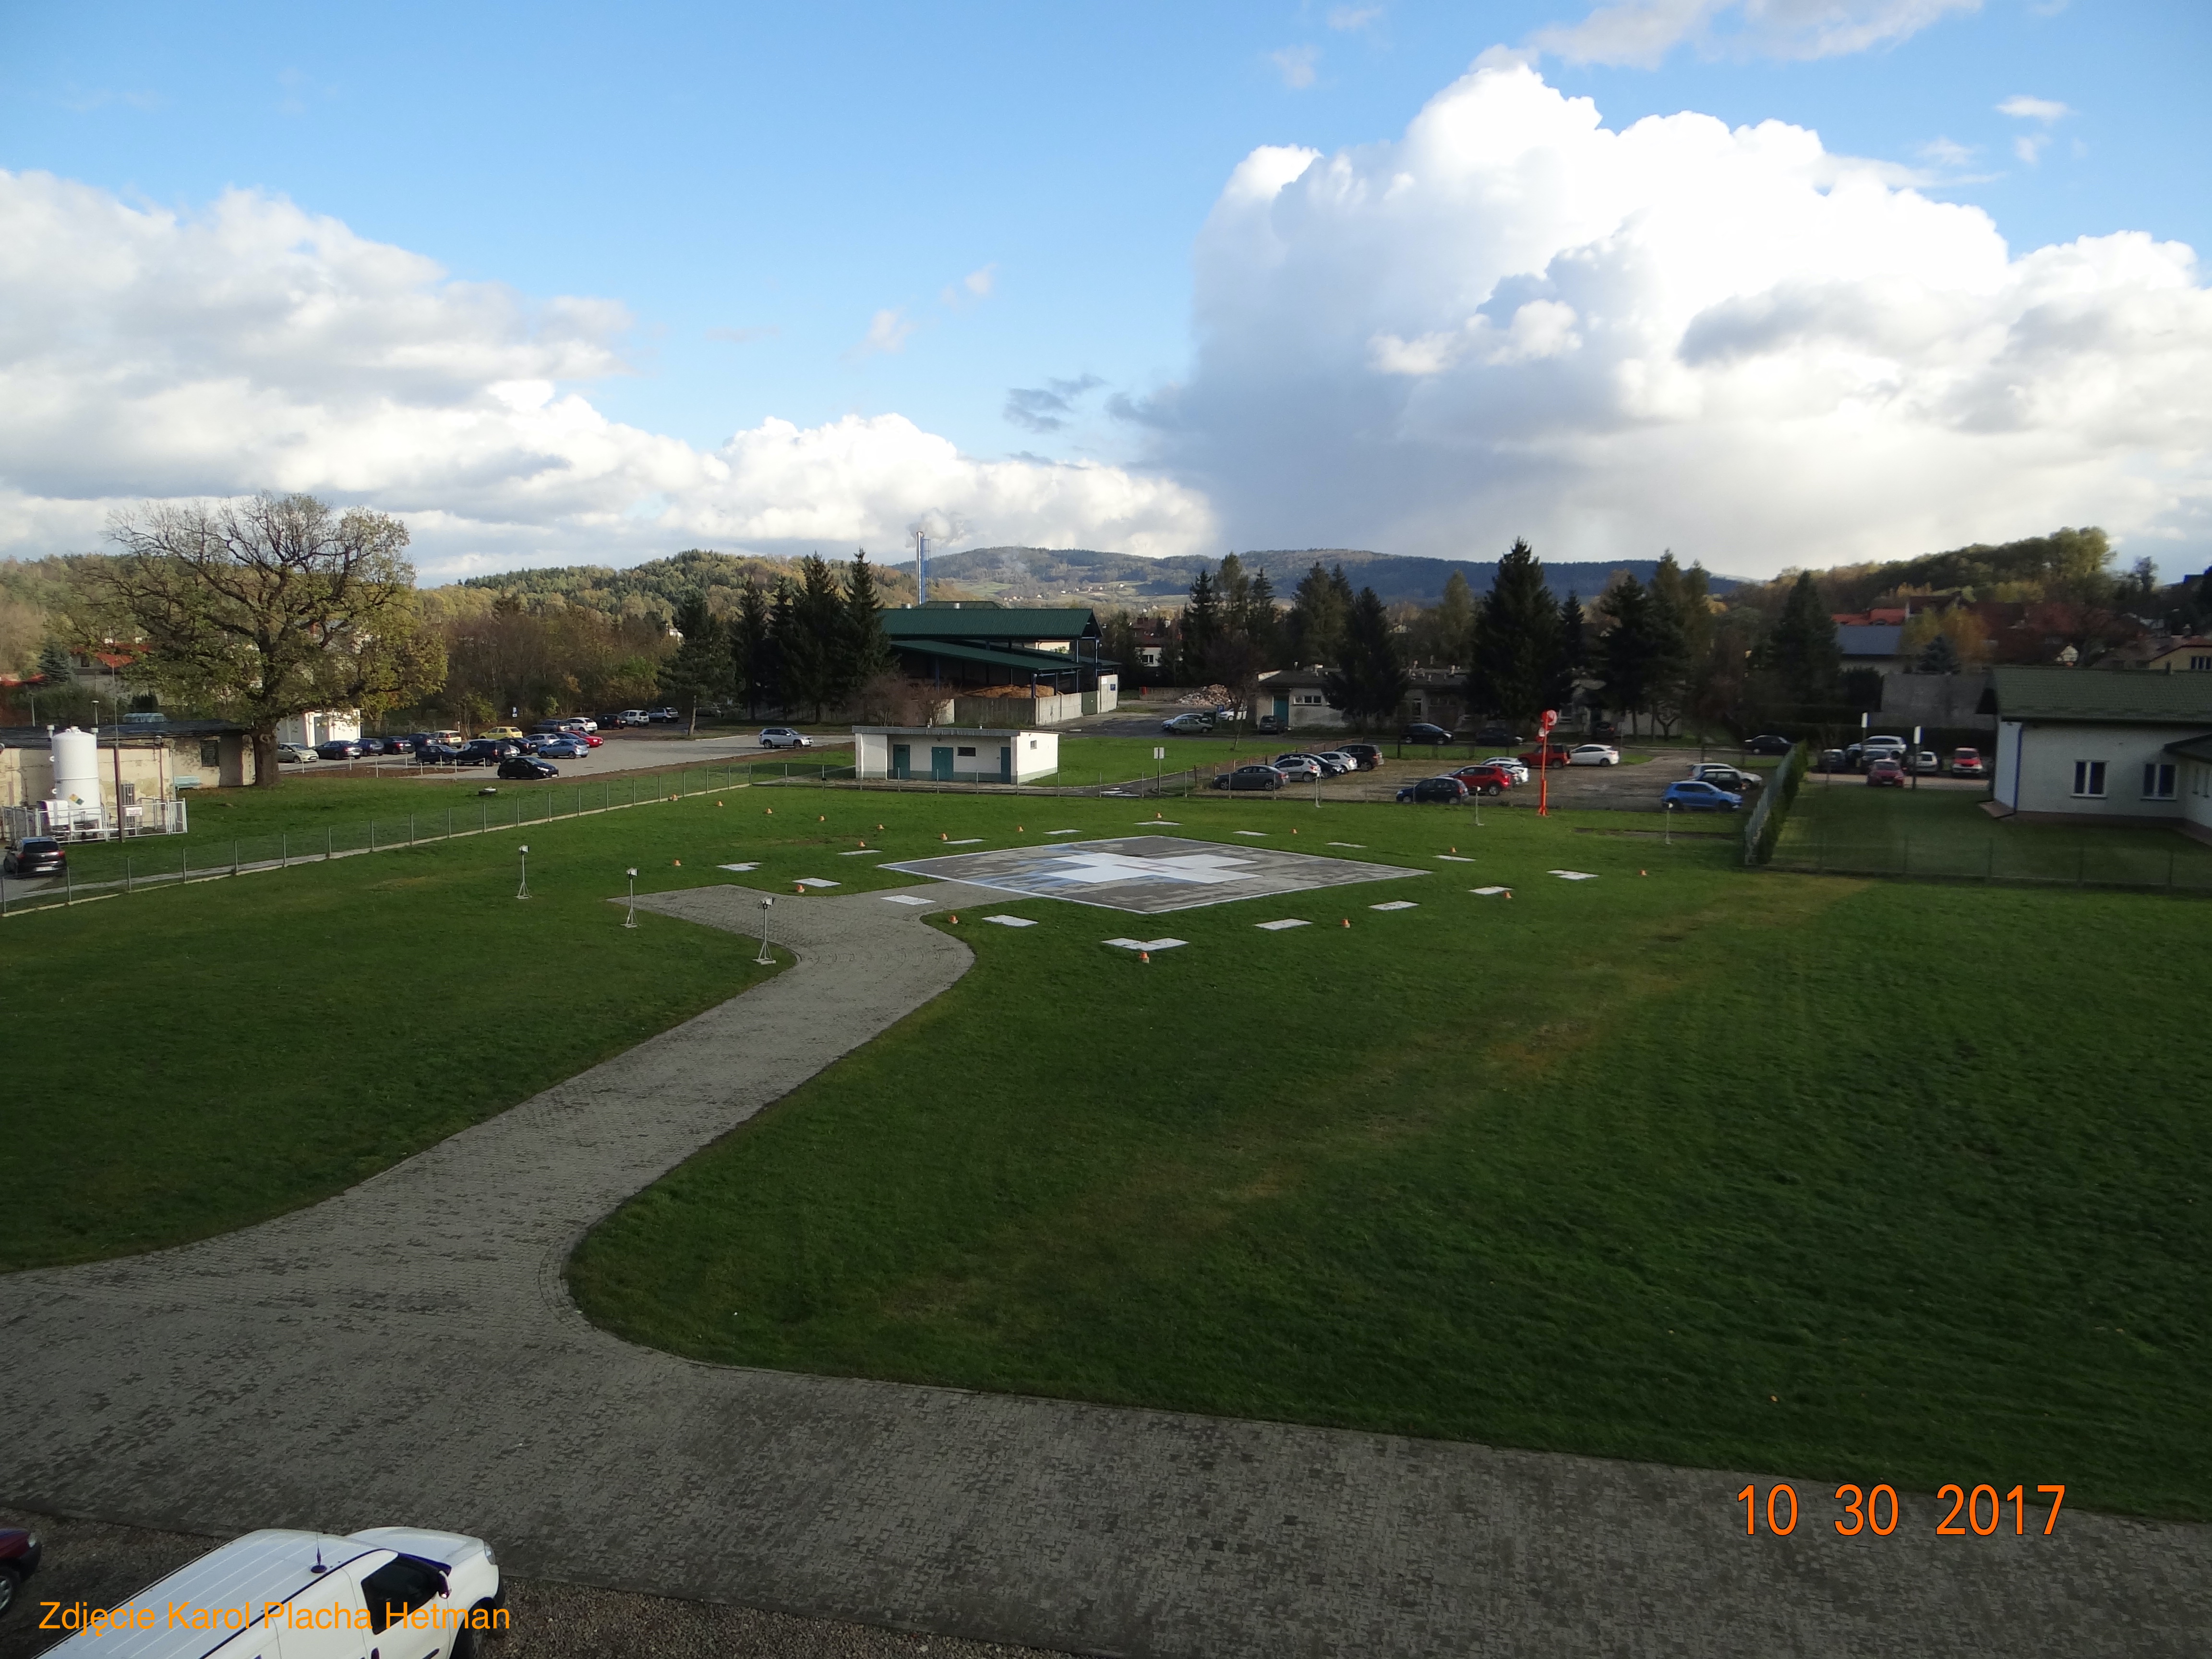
[(767, 902), (630, 920), (523, 890)]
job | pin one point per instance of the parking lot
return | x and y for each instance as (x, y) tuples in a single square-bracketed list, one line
[(632, 750)]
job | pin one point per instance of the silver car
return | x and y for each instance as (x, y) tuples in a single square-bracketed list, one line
[(782, 737)]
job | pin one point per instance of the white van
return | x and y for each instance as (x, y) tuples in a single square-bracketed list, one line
[(388, 1593)]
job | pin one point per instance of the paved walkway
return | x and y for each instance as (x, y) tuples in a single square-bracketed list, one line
[(406, 1350)]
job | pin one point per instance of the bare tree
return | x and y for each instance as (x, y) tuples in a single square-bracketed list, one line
[(269, 606)]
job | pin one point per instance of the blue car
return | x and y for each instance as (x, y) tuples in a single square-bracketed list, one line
[(1693, 796), (562, 749)]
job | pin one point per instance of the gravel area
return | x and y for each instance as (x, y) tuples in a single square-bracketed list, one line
[(90, 1561)]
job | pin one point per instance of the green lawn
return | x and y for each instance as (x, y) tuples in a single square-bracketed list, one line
[(1847, 825), (189, 1060), (1719, 1167), (1706, 1167)]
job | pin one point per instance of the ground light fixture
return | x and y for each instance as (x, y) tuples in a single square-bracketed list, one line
[(630, 920), (522, 891), (767, 902)]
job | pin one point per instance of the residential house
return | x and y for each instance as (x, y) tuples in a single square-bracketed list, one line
[(2102, 745)]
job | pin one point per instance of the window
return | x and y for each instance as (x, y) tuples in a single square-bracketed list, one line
[(2089, 779), (2157, 780), (2201, 665), (210, 753), (396, 1589), (968, 754)]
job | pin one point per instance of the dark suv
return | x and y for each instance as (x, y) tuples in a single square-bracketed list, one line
[(486, 751), (39, 855), (1422, 731), (1366, 754)]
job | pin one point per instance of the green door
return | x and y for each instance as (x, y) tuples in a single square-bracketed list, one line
[(1283, 712), (1006, 764), (902, 761), (940, 764)]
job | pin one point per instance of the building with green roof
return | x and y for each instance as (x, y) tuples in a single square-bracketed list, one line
[(2102, 744)]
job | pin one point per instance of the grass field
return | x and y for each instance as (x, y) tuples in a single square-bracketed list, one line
[(1724, 1169), (1705, 1167), (1844, 825)]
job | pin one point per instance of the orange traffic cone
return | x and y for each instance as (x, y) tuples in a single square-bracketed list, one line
[(955, 920), (1643, 872), (1347, 922), (864, 843), (771, 812), (1143, 955), (941, 836), (679, 863), (824, 818)]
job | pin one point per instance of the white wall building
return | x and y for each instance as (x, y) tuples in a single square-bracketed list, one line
[(2090, 744), (320, 726), (955, 754)]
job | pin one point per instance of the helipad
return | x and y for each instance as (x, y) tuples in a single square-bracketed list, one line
[(1148, 873)]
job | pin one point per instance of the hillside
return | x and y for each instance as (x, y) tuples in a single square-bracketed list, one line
[(1036, 575)]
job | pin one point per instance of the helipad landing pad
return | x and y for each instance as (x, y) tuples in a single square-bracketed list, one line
[(1148, 874)]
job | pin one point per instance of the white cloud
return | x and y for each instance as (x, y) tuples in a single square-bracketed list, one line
[(888, 332), (1512, 320), (2022, 107), (144, 354), (1297, 66), (1641, 32), (2029, 146), (1946, 153), (971, 289), (1351, 18)]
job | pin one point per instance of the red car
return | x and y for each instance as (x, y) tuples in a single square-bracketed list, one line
[(1967, 763), (1886, 773), (1485, 779), (19, 1560), (1536, 759)]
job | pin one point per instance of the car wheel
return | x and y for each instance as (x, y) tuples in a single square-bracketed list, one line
[(8, 1582)]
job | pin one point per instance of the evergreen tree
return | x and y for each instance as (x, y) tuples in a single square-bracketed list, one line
[(751, 657), (1262, 623), (1202, 629), (1574, 646), (1802, 650), (1321, 605), (868, 649), (1634, 649), (1518, 650), (810, 649), (1369, 681), (699, 672), (1942, 657), (54, 663), (1455, 619)]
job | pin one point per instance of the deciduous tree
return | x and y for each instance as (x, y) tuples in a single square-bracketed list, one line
[(268, 607)]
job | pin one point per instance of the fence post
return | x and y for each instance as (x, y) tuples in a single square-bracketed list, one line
[(69, 884), (327, 843), (234, 858), (410, 829), (284, 850), (371, 835)]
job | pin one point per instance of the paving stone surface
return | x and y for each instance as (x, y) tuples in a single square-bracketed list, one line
[(407, 1351)]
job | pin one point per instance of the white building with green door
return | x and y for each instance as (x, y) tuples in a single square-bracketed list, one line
[(955, 754)]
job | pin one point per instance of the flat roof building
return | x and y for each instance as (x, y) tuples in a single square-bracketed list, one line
[(955, 754)]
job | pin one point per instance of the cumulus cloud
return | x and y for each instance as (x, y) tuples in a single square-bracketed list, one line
[(2030, 146), (147, 353), (1513, 320), (889, 331), (1639, 33)]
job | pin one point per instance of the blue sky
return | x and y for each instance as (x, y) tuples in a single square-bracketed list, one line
[(1008, 196)]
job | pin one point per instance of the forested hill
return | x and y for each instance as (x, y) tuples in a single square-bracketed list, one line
[(1039, 575)]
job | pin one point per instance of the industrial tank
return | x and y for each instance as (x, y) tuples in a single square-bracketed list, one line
[(77, 766)]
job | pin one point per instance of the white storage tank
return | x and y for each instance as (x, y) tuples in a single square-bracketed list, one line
[(77, 766)]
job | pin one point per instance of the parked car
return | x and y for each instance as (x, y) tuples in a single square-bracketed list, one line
[(1190, 724), (1300, 769), (1504, 737), (35, 855), (1440, 792), (1832, 760), (562, 748), (1251, 777), (1593, 754), (291, 754), (1268, 725), (1605, 730), (591, 739), (1695, 795), (511, 734), (1423, 732), (1885, 772), (1733, 779), (632, 717), (486, 751), (782, 737), (1510, 765), (1485, 779), (527, 769), (1924, 760), (1767, 743), (19, 1560), (1335, 761), (1365, 755), (339, 749), (1552, 756), (436, 754), (663, 716), (1967, 763), (425, 1594)]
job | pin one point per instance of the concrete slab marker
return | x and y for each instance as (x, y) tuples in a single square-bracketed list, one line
[(1359, 844), (1572, 875), (1251, 832), (1453, 858), (740, 868), (815, 881), (1012, 921), (1147, 943), (1276, 927), (1142, 824), (865, 853), (1394, 904), (971, 841), (903, 898), (1063, 832), (1490, 892)]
